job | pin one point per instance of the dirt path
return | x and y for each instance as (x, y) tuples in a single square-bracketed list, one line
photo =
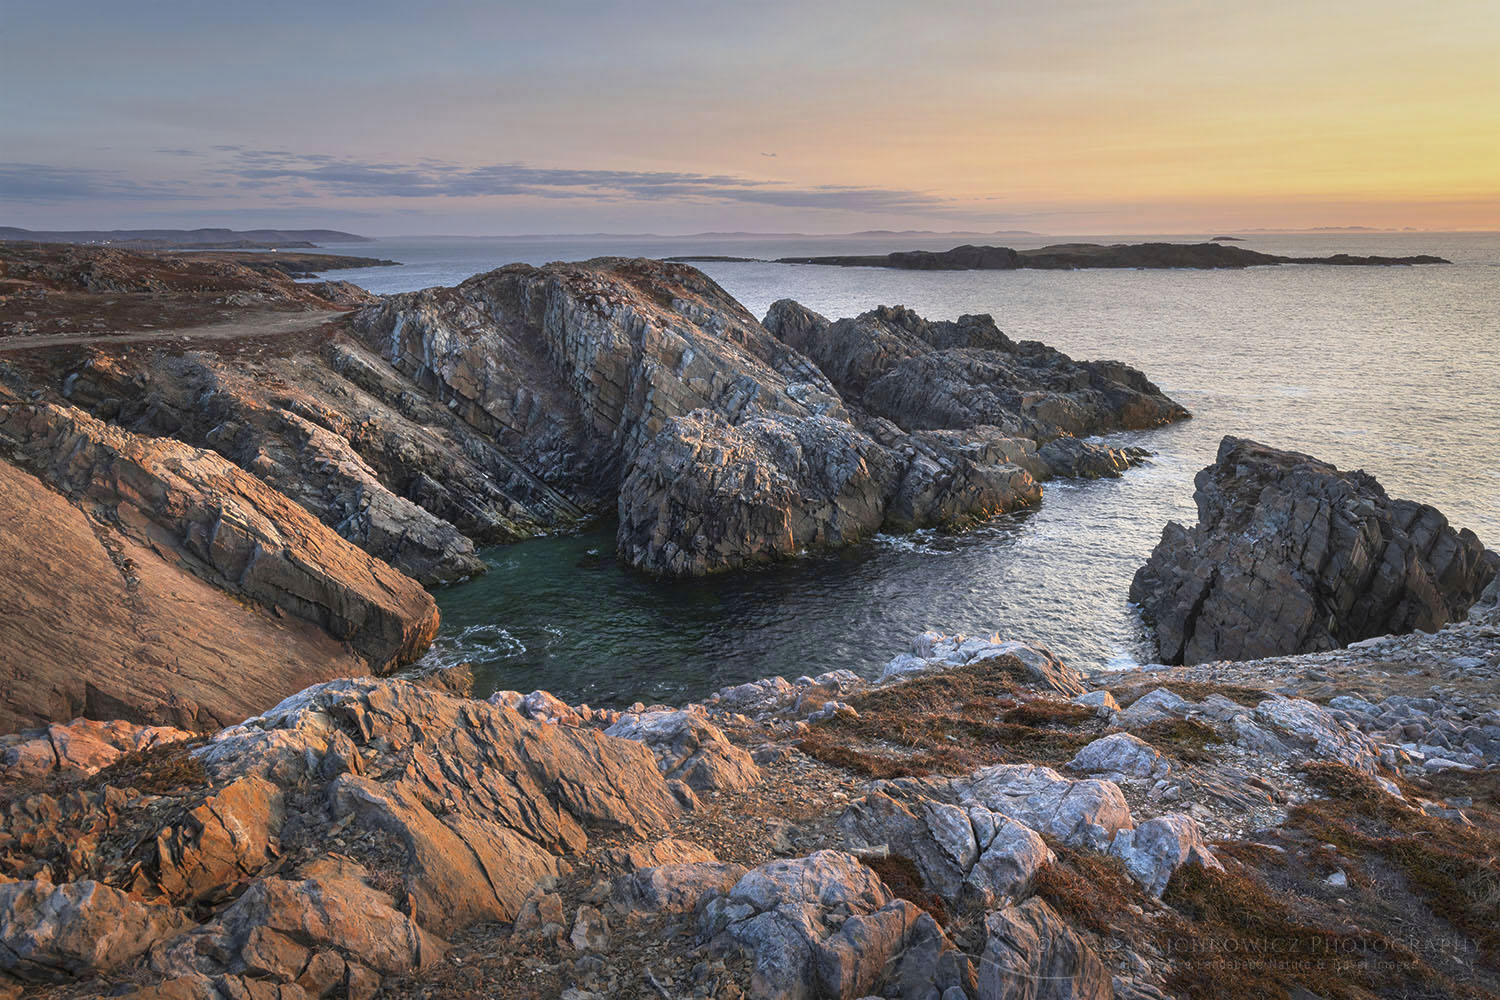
[(256, 325)]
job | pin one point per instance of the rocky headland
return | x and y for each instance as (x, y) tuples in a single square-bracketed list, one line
[(216, 790), (1069, 256), (304, 457)]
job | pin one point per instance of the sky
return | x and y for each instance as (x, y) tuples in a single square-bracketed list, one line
[(565, 116)]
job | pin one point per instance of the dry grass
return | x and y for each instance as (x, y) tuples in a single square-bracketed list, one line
[(1089, 889), (1186, 739), (1192, 691), (952, 722), (1234, 939), (1454, 867), (900, 875)]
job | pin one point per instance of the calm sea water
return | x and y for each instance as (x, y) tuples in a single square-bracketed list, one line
[(1393, 370)]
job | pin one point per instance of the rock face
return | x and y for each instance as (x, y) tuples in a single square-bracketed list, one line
[(1031, 953), (925, 375), (51, 933), (1290, 555), (722, 442), (210, 566), (690, 749)]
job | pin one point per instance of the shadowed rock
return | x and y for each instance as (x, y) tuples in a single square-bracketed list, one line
[(1290, 555)]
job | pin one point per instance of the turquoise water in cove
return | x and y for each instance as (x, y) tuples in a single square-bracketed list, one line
[(1393, 370)]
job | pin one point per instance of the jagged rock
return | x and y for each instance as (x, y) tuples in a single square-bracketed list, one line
[(1155, 706), (725, 446), (1291, 555), (1086, 812), (168, 527), (923, 374), (1103, 702), (481, 799), (230, 837), (1486, 610), (667, 851), (127, 634), (1155, 848), (540, 911), (83, 745), (960, 851), (460, 868), (1121, 754), (1031, 953), (278, 926), (1291, 728), (229, 528), (590, 930), (1301, 729), (196, 986), (690, 749), (676, 888), (48, 932), (706, 495), (1070, 458), (825, 925)]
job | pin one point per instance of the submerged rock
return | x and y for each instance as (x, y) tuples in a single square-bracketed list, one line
[(1290, 555)]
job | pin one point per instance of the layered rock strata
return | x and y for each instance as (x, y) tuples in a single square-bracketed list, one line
[(729, 442), (139, 567)]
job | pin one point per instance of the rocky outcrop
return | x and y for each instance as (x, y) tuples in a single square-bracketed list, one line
[(50, 933), (1290, 555), (690, 749), (82, 746), (209, 566), (935, 651), (929, 375), (826, 926), (1031, 953), (723, 442), (1067, 256)]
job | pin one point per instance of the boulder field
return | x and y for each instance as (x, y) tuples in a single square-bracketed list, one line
[(1290, 555)]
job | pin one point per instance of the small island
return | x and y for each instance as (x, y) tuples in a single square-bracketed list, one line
[(1071, 256)]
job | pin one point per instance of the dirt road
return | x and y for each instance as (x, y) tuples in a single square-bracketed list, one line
[(256, 325)]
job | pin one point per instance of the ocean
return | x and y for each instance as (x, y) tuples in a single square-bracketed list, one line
[(1392, 370)]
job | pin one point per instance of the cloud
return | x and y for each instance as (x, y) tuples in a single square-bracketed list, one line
[(39, 182), (345, 177), (226, 171)]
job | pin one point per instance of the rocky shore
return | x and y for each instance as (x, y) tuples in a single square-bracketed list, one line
[(982, 821), (304, 456), (1069, 256), (244, 522)]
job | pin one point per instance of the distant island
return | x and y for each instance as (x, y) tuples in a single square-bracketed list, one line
[(1069, 256), (187, 239), (1227, 239)]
